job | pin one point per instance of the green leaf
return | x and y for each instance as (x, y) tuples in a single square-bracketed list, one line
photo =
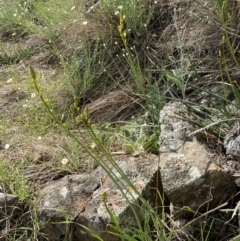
[(173, 78), (129, 148), (126, 132), (141, 140)]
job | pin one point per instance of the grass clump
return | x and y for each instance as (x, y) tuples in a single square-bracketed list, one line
[(14, 20), (16, 57)]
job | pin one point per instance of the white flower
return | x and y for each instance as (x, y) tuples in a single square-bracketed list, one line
[(120, 7), (64, 161), (7, 146), (39, 138), (33, 95), (73, 7), (9, 80), (84, 23), (116, 13)]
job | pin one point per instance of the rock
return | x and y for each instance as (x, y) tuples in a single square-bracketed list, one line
[(191, 175), (62, 200), (233, 108), (7, 203), (10, 209), (232, 142), (78, 199)]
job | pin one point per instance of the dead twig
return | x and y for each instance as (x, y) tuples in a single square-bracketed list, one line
[(204, 214), (211, 125)]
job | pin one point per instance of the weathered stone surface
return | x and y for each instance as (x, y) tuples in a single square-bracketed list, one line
[(190, 174), (7, 203), (62, 200), (79, 199), (232, 142)]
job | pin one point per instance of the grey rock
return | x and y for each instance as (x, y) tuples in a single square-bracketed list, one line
[(191, 175), (232, 142), (8, 205), (78, 198)]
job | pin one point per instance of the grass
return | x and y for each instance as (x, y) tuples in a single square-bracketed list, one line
[(149, 50)]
